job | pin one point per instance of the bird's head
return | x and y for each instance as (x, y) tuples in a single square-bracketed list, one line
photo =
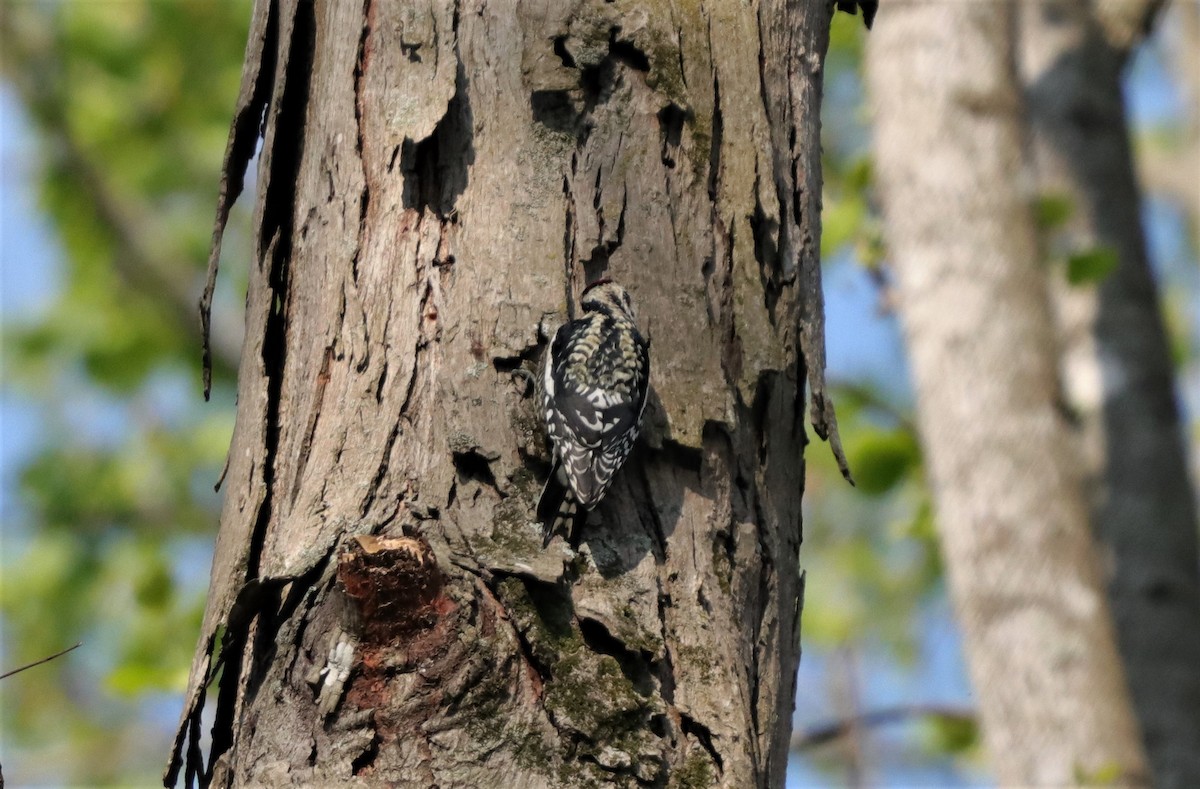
[(604, 295)]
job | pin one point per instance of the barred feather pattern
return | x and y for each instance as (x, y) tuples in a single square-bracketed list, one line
[(595, 384)]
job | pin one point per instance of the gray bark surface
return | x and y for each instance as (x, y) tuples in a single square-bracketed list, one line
[(1011, 515), (1118, 375), (436, 184)]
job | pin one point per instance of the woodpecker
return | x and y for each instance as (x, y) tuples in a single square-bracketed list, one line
[(595, 381)]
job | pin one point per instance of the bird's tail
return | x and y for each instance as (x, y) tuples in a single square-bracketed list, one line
[(557, 508)]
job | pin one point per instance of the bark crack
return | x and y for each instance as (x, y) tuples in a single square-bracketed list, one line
[(258, 77), (360, 67), (313, 420), (278, 215), (703, 735), (382, 469)]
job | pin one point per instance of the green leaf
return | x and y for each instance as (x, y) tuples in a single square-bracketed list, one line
[(1091, 266), (881, 458), (841, 220), (1052, 211), (952, 734)]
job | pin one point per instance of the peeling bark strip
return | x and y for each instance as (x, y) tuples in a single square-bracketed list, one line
[(436, 181), (252, 100)]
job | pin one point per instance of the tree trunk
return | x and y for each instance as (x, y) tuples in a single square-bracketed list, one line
[(1019, 557), (436, 183), (1119, 376)]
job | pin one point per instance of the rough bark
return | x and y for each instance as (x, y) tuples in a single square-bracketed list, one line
[(1118, 375), (436, 181), (1019, 556)]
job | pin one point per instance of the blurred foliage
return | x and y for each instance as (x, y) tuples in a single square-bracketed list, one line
[(1091, 266), (1051, 211), (109, 540), (870, 549), (870, 552), (951, 734)]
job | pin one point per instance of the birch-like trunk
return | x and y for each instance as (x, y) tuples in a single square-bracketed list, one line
[(1005, 473), (1117, 371), (437, 181)]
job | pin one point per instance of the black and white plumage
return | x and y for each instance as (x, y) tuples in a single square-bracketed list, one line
[(595, 381)]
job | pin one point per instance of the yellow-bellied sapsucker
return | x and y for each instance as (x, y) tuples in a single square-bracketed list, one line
[(595, 382)]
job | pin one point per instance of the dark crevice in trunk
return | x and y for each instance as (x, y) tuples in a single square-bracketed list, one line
[(670, 131), (383, 376), (277, 225), (560, 49), (367, 758), (278, 217), (360, 67), (247, 129), (718, 136), (313, 420), (569, 243), (382, 469), (766, 251), (472, 465), (666, 667), (626, 52), (702, 735), (437, 168), (635, 665)]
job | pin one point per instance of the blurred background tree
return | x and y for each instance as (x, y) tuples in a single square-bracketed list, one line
[(113, 120)]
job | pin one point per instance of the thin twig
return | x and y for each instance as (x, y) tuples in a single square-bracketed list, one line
[(40, 662), (826, 732)]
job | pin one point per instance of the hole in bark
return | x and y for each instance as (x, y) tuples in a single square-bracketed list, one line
[(596, 264), (366, 760), (411, 51), (766, 252), (472, 465), (593, 80), (670, 130), (634, 664), (555, 110), (626, 53), (437, 168), (382, 380), (506, 364), (396, 587), (560, 49)]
